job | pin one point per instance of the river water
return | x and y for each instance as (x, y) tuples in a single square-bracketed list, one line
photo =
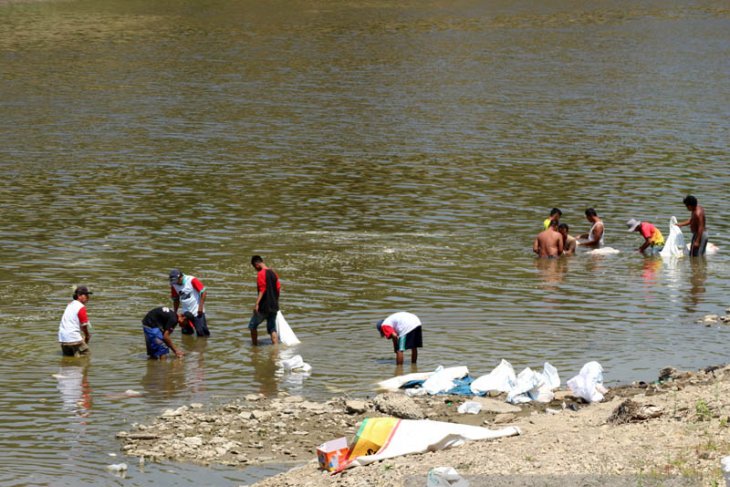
[(381, 156)]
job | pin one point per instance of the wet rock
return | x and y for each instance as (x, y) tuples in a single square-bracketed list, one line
[(142, 436), (668, 373), (563, 395), (353, 406), (193, 441), (259, 415), (398, 405), (292, 399), (315, 407), (504, 418), (196, 405), (710, 319), (172, 413), (631, 411), (494, 406), (253, 397)]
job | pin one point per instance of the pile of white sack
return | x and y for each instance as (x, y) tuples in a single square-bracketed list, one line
[(527, 386)]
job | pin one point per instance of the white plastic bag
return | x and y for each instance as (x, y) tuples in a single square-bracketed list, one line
[(443, 379), (501, 379), (284, 331), (550, 375), (674, 244), (588, 384), (527, 380), (296, 363), (445, 477), (470, 407)]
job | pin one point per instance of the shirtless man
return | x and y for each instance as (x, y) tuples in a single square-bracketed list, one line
[(696, 223), (569, 243), (594, 238), (549, 243)]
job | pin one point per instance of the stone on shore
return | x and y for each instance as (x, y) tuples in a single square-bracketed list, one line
[(353, 406), (398, 405), (495, 406)]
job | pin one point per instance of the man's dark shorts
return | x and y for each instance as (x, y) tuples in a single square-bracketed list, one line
[(411, 340), (702, 245), (75, 349), (198, 325), (257, 319), (156, 346)]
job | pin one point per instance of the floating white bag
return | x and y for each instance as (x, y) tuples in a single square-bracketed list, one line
[(501, 379), (604, 251), (284, 331), (674, 244), (588, 384), (295, 364)]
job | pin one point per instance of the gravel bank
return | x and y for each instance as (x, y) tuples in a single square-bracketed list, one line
[(676, 427)]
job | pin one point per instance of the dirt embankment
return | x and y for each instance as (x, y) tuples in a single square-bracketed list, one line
[(678, 426)]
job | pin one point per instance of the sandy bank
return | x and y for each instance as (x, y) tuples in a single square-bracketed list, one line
[(684, 434)]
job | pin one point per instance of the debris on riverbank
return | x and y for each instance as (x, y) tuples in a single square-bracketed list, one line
[(677, 426)]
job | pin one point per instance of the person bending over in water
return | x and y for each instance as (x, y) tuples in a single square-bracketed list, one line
[(696, 223), (569, 243), (594, 238), (652, 236), (549, 243), (404, 329)]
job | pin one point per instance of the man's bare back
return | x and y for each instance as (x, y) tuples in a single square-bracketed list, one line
[(548, 244)]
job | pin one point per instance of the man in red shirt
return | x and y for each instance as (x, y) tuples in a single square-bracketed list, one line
[(267, 300)]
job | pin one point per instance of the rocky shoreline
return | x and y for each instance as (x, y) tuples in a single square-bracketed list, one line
[(677, 426)]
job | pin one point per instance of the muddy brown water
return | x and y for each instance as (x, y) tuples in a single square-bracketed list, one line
[(381, 156)]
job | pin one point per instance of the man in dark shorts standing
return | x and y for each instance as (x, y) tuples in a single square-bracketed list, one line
[(696, 223), (405, 330), (157, 325), (267, 300)]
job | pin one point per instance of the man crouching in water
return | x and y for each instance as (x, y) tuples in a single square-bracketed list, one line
[(549, 243), (157, 325)]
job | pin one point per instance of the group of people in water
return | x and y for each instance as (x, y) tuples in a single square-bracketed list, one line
[(188, 293), (555, 241), (188, 296)]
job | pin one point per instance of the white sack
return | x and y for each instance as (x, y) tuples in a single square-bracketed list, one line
[(501, 379), (588, 384), (284, 331), (527, 380), (470, 407), (443, 379), (420, 436), (295, 364), (674, 244), (395, 383), (604, 251)]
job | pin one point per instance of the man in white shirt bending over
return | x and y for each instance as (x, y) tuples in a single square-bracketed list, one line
[(405, 330)]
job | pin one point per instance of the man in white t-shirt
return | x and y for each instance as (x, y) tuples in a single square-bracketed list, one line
[(73, 331), (405, 330)]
